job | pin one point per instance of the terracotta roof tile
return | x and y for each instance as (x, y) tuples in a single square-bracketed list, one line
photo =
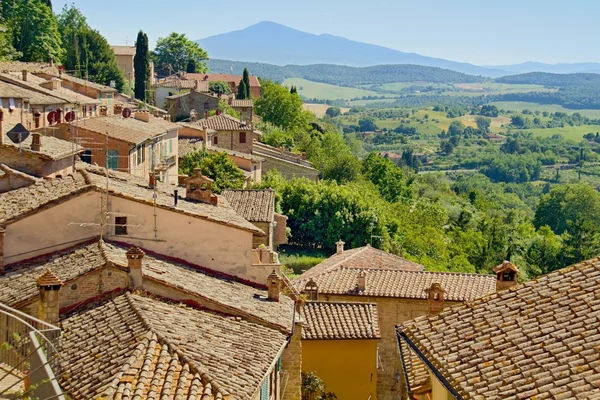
[(221, 77), (64, 96), (235, 103), (8, 90), (216, 149), (48, 278), (90, 84), (62, 92), (224, 122), (416, 371), (52, 148), (340, 320), (123, 50), (33, 67), (402, 284), (129, 130), (264, 150), (256, 205), (365, 257), (5, 169), (536, 340), (182, 84)]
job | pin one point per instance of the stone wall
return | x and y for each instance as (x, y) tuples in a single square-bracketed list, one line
[(231, 140), (291, 364), (288, 169), (266, 227), (179, 108)]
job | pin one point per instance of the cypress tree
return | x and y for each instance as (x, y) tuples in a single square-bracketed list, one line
[(246, 79), (242, 90), (141, 66)]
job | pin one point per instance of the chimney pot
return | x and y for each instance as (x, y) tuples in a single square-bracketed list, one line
[(339, 245), (51, 62), (361, 281), (36, 141), (135, 256), (24, 75), (2, 235), (435, 297), (142, 115), (59, 115), (273, 287), (151, 180), (49, 305), (506, 275)]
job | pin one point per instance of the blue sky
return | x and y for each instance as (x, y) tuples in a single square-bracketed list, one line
[(483, 32)]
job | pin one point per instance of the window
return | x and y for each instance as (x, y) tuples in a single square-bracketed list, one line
[(242, 137), (120, 225), (170, 146), (206, 105), (87, 156), (215, 140), (264, 391), (112, 161)]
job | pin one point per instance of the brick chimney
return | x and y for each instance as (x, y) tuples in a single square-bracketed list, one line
[(37, 118), (2, 235), (361, 281), (273, 286), (24, 75), (49, 305), (59, 112), (151, 180), (506, 275), (198, 187), (435, 298), (142, 115), (339, 247), (36, 141), (135, 255)]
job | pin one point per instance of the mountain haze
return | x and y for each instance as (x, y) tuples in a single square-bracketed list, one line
[(271, 43)]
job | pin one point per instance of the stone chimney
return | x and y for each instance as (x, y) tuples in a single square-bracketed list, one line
[(59, 112), (151, 180), (198, 188), (1, 127), (142, 115), (2, 235), (361, 281), (24, 75), (37, 118), (49, 305), (273, 287), (435, 298), (339, 247), (36, 141), (506, 275), (118, 109), (51, 84), (311, 290), (135, 255)]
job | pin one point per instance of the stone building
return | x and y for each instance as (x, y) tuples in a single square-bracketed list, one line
[(174, 85), (401, 290), (290, 165), (339, 344), (537, 340), (181, 105), (258, 207), (232, 133), (232, 80), (124, 56)]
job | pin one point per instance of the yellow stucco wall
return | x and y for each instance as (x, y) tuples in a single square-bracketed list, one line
[(347, 367), (438, 391)]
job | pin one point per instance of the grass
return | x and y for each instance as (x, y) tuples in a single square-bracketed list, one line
[(320, 109), (568, 132), (298, 259), (325, 91), (522, 105)]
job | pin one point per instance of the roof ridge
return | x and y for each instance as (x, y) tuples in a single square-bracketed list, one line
[(331, 268), (204, 375), (358, 303), (426, 272)]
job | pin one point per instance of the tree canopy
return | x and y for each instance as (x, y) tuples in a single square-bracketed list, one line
[(217, 166), (173, 53), (141, 65)]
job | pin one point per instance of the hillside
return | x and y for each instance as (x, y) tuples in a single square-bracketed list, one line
[(272, 43), (561, 68), (549, 79), (346, 76)]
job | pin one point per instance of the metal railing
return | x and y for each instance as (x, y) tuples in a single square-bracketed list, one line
[(24, 340)]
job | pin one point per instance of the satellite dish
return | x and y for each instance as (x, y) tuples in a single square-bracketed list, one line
[(52, 117), (70, 116), (18, 134), (126, 112)]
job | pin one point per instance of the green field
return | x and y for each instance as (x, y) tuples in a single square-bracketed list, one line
[(568, 132), (325, 91), (522, 105)]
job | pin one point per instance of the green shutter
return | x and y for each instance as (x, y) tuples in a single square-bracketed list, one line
[(112, 159), (264, 392), (170, 146)]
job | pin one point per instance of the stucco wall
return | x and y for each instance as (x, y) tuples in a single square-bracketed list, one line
[(231, 140), (288, 169), (10, 182), (392, 312), (52, 229), (348, 368), (267, 228), (438, 390), (204, 243)]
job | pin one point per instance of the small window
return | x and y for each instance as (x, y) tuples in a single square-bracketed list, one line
[(215, 140), (86, 157), (113, 159), (206, 105), (242, 137), (170, 146), (120, 225)]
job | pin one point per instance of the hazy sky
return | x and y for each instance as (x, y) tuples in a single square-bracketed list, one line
[(482, 32)]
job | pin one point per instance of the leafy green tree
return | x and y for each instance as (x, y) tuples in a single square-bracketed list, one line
[(489, 110), (219, 87), (92, 56), (483, 124), (217, 166), (141, 65), (190, 67), (313, 388), (544, 250), (7, 51), (277, 106), (388, 178), (456, 128), (367, 124), (174, 52), (224, 107), (33, 30), (333, 112), (293, 90), (447, 147)]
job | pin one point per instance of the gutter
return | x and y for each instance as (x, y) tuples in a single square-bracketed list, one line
[(402, 336)]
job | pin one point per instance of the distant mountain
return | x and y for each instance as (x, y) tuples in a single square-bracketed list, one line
[(563, 68), (345, 76), (549, 79), (268, 42)]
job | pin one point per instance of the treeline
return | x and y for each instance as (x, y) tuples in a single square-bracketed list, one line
[(347, 76), (549, 79), (573, 97)]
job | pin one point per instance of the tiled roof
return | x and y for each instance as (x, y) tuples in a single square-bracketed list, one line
[(52, 148), (402, 284), (64, 93), (8, 90), (365, 257), (18, 203), (242, 103), (264, 150), (123, 50), (65, 96), (130, 130), (340, 320), (48, 278), (540, 339), (182, 84), (256, 205), (17, 66), (90, 84), (136, 188), (222, 77), (101, 345), (224, 122), (236, 154), (416, 371), (5, 169), (189, 145)]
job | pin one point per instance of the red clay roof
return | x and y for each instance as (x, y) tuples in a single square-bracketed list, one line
[(223, 77)]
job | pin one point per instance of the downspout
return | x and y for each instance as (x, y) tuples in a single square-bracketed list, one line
[(438, 375)]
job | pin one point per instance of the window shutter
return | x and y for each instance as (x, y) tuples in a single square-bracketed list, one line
[(264, 391)]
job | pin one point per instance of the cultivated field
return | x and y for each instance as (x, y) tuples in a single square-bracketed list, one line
[(522, 105), (325, 91), (320, 109)]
